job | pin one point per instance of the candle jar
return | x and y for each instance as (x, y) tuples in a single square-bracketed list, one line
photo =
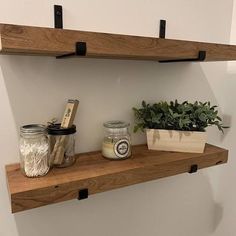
[(34, 150), (62, 145), (117, 143)]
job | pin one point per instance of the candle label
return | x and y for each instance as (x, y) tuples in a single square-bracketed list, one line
[(121, 148)]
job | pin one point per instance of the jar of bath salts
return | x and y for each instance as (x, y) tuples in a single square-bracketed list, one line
[(116, 144), (34, 150)]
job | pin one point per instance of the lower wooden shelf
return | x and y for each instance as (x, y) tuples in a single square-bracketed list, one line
[(97, 174)]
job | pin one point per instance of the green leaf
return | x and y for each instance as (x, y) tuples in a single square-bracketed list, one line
[(144, 104), (202, 117), (136, 128), (177, 116)]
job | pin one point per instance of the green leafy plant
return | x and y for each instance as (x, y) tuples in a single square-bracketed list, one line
[(177, 116)]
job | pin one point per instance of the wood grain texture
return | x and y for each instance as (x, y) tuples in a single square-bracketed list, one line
[(28, 40), (176, 140), (97, 174), (0, 43)]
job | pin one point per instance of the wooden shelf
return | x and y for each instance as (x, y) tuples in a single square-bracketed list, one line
[(27, 40), (97, 174)]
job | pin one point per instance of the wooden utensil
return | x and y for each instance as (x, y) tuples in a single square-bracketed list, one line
[(58, 152)]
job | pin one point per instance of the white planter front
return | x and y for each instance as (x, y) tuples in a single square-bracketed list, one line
[(175, 140)]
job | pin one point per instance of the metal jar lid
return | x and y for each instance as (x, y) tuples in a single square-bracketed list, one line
[(116, 124), (116, 127), (55, 129), (33, 129)]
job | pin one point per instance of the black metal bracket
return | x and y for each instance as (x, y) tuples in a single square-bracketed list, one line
[(162, 29), (193, 169), (58, 17), (83, 194), (80, 47), (162, 34), (80, 50), (201, 57)]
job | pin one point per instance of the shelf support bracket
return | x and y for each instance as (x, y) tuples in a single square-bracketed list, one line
[(162, 29), (58, 17), (80, 47), (201, 57), (83, 194), (193, 169), (162, 35), (80, 50)]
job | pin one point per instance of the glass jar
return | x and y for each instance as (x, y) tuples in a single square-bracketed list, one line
[(34, 150), (117, 143), (62, 145)]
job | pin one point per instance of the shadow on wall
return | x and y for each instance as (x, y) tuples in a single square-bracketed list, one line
[(181, 206), (38, 88), (227, 193)]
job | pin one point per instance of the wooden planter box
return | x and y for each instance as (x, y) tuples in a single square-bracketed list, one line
[(175, 140)]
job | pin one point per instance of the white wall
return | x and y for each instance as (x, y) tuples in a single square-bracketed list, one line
[(227, 193), (35, 89)]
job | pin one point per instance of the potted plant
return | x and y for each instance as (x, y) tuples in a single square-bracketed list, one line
[(176, 126)]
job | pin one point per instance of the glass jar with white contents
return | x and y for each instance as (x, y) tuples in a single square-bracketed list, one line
[(117, 143), (34, 150)]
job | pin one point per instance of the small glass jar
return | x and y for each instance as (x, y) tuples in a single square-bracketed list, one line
[(34, 150), (62, 145), (117, 142)]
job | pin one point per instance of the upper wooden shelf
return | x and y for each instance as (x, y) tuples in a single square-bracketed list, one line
[(28, 40), (97, 174)]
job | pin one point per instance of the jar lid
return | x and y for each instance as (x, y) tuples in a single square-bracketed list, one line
[(33, 129), (55, 129), (116, 124)]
